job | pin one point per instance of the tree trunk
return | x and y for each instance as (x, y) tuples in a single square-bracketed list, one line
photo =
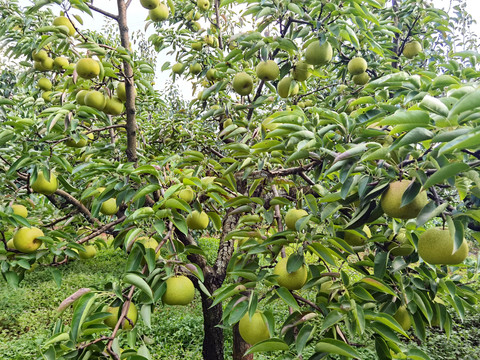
[(240, 346), (212, 316)]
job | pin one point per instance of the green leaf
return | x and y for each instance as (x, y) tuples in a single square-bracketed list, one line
[(331, 319), (379, 285), (303, 336), (287, 297), (272, 344), (416, 117), (332, 346), (137, 281), (445, 172), (468, 102), (412, 137), (80, 312)]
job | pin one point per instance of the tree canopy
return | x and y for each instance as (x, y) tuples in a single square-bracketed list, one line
[(332, 148)]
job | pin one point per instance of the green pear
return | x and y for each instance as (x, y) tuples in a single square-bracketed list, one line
[(243, 83)]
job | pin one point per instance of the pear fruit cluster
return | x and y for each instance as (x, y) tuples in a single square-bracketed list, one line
[(357, 67)]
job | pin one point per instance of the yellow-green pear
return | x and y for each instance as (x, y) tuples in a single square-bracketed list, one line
[(178, 68), (392, 199), (412, 49), (187, 194), (47, 96), (267, 70), (87, 68), (195, 69), (357, 65), (149, 4), (80, 143), (301, 71), (317, 54), (113, 106), (160, 13), (357, 240), (20, 210), (60, 62), (197, 220), (90, 252), (47, 64), (435, 246), (43, 186), (39, 55), (80, 97), (361, 79), (284, 86), (292, 216), (95, 99), (242, 83), (403, 318), (211, 74), (109, 207), (253, 330), (291, 281), (400, 245), (149, 243), (26, 239), (197, 45), (116, 311), (64, 21), (180, 291), (44, 84), (203, 4)]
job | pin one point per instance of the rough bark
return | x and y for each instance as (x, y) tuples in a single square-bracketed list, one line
[(240, 346), (129, 85)]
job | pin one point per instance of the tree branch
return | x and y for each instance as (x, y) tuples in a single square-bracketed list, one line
[(103, 12)]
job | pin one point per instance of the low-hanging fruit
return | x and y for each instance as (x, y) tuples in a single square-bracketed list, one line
[(149, 243), (197, 220), (357, 65), (253, 330), (242, 83), (128, 323), (26, 239), (180, 291), (435, 246), (195, 69), (87, 68), (122, 91), (80, 97), (317, 54), (292, 216), (43, 186), (292, 281), (267, 70), (403, 318), (392, 199), (60, 62), (89, 252), (412, 49)]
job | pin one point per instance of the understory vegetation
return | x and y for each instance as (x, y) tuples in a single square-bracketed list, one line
[(28, 312)]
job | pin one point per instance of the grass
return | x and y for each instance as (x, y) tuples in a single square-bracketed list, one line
[(28, 312)]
